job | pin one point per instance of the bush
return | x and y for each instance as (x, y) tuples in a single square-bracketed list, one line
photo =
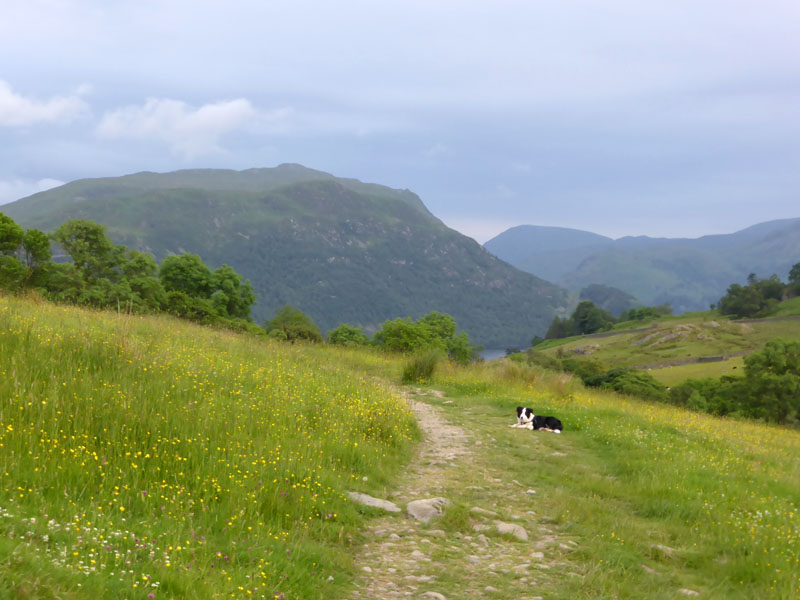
[(631, 382), (582, 368), (420, 367), (434, 331), (543, 360), (294, 324), (347, 335)]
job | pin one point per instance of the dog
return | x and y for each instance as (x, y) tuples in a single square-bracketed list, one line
[(528, 420)]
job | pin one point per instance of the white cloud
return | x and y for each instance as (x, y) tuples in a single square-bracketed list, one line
[(15, 189), (190, 132), (17, 110)]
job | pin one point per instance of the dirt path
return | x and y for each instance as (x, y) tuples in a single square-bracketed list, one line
[(468, 557)]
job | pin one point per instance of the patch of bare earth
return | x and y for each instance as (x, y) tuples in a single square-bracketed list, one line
[(405, 558)]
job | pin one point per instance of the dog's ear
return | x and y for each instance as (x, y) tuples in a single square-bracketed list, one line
[(519, 410)]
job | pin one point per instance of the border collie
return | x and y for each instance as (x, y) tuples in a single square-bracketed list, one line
[(528, 420)]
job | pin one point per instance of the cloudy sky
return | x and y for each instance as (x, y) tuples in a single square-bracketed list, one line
[(671, 118)]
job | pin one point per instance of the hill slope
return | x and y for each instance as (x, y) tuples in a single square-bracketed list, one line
[(689, 274), (338, 249)]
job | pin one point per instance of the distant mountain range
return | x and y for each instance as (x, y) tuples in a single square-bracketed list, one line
[(338, 249), (689, 274)]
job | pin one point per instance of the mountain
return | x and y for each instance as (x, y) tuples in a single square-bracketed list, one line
[(548, 252), (338, 249), (689, 274), (608, 298)]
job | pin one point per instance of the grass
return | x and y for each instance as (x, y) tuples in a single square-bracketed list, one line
[(658, 499), (144, 458), (671, 376)]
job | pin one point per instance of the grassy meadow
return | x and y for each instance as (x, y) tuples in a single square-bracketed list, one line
[(148, 458)]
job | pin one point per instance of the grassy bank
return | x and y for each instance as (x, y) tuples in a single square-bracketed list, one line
[(147, 458)]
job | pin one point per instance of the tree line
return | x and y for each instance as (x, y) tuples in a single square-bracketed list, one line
[(102, 274), (589, 318)]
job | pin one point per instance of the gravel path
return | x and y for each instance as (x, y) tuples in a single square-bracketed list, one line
[(404, 558)]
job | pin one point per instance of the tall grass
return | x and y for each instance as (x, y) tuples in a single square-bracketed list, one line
[(419, 368), (148, 458)]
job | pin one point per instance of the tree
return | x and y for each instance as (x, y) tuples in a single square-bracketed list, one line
[(640, 313), (24, 255), (36, 245), (92, 252), (794, 279), (231, 296), (294, 324), (186, 273), (441, 325), (11, 235), (589, 318), (773, 380), (741, 301), (559, 328), (347, 335), (12, 273), (146, 290), (404, 335), (434, 331)]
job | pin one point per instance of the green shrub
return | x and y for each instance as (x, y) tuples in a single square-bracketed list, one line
[(347, 335), (582, 368), (631, 382), (543, 360), (294, 324), (420, 367)]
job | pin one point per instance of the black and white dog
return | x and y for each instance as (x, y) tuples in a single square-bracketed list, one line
[(528, 420)]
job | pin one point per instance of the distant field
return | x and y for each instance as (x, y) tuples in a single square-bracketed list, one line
[(676, 339), (670, 376)]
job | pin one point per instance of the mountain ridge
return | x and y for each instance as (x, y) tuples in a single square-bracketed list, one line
[(338, 249), (688, 273)]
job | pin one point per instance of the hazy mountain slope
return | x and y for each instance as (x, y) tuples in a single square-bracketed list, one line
[(689, 274), (545, 251), (340, 250)]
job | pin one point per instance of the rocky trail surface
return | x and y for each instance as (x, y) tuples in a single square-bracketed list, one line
[(460, 529)]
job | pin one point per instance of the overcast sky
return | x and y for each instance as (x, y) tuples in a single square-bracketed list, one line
[(667, 118)]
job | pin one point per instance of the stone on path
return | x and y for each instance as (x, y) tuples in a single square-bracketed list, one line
[(516, 530), (367, 500), (425, 510), (433, 596)]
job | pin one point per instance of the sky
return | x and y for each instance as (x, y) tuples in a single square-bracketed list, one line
[(666, 118)]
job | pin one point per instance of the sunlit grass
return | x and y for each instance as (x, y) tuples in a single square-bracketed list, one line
[(148, 458)]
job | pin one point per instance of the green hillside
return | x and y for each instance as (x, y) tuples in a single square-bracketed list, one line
[(338, 249)]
